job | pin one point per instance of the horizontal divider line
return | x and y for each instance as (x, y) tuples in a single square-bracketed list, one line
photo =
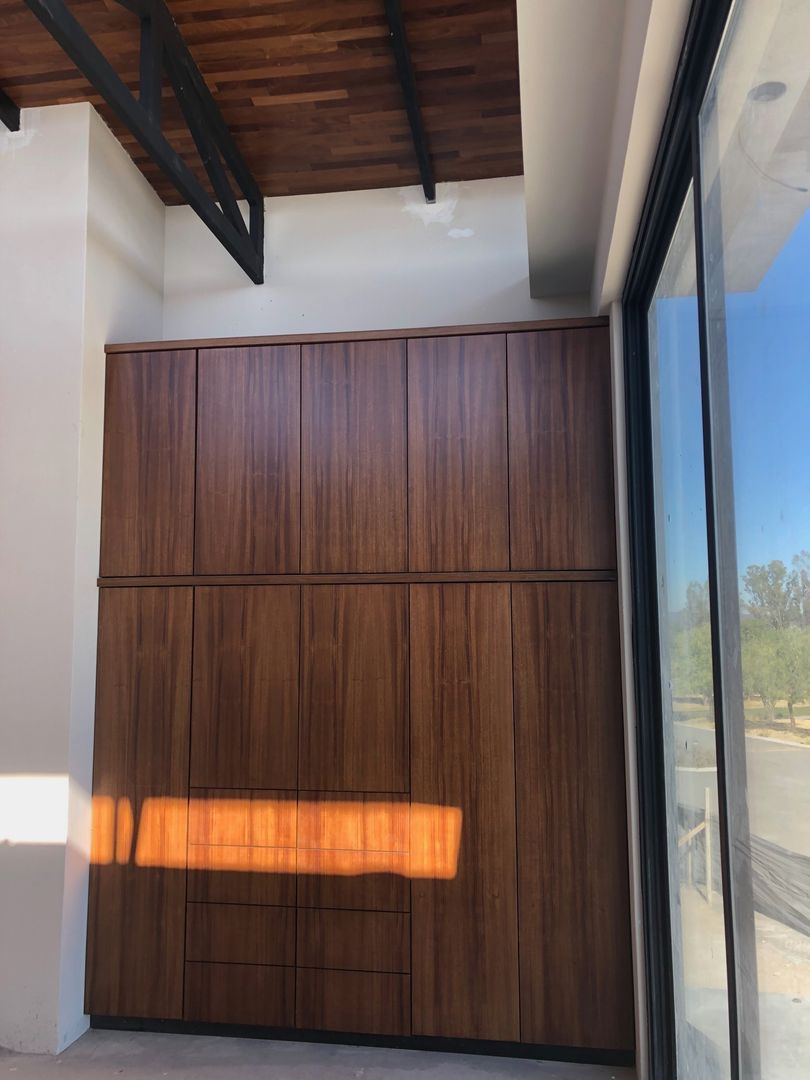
[(299, 967), (460, 577), (304, 907)]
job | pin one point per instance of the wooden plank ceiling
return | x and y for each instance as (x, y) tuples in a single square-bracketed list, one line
[(309, 90)]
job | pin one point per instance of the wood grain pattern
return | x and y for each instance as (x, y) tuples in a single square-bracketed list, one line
[(354, 940), (242, 818), (340, 821), (363, 880), (244, 723), (229, 874), (147, 500), (561, 450), (357, 1001), (143, 692), (135, 943), (465, 940), (309, 91), (354, 458), (248, 461), (359, 335), (354, 695), (575, 966), (240, 934), (137, 879), (240, 994), (457, 454)]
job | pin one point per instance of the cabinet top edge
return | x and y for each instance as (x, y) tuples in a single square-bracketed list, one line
[(360, 335)]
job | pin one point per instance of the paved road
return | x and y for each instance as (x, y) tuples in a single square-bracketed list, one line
[(778, 787)]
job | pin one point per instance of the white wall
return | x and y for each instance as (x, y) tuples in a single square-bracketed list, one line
[(81, 252), (361, 260)]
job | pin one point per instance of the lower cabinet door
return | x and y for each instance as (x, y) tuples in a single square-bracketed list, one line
[(363, 1002), (464, 901), (576, 983), (137, 899), (240, 994)]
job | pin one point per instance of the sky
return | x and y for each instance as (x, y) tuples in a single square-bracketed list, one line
[(769, 374)]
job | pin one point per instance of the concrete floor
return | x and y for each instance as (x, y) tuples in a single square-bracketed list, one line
[(144, 1056)]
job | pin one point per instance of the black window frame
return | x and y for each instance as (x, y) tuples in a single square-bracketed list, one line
[(676, 166)]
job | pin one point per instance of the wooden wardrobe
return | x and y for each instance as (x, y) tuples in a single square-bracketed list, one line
[(358, 757)]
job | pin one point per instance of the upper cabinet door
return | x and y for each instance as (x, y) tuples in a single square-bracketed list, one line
[(353, 423), (457, 453), (248, 461), (561, 451), (147, 504)]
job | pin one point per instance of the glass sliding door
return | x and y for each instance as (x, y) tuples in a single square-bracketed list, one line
[(717, 381), (754, 148), (698, 948)]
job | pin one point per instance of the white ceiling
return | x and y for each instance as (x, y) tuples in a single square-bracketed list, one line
[(595, 79)]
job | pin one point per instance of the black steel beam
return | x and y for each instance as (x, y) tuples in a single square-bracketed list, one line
[(161, 41), (9, 112), (399, 42)]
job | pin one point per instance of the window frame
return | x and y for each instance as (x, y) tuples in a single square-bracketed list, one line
[(676, 166)]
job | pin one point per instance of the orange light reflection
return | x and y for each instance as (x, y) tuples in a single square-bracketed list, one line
[(279, 836)]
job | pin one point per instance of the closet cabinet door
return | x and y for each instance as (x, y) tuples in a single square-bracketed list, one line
[(561, 450), (464, 917), (354, 484), (575, 972), (244, 727), (354, 707), (140, 804), (147, 501), (457, 453), (248, 461)]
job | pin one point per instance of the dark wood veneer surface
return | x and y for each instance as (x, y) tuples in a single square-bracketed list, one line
[(244, 726), (354, 940), (354, 484), (457, 454), (465, 932), (375, 1003), (240, 994), (240, 934), (561, 450), (394, 539), (354, 695), (147, 501), (143, 692), (248, 461), (575, 964), (136, 911)]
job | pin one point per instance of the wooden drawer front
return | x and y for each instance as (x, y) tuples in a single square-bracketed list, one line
[(240, 994), (342, 822), (242, 818), (241, 875), (369, 880), (369, 1002), (354, 940), (240, 934)]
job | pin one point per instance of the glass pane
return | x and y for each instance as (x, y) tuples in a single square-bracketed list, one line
[(698, 938), (755, 148)]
